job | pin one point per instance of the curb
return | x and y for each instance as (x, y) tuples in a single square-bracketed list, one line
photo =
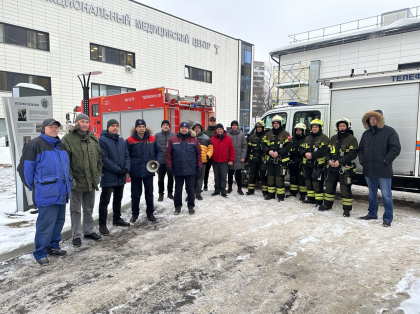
[(65, 234)]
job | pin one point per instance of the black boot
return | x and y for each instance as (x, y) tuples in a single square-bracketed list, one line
[(103, 230), (302, 197), (250, 192), (191, 209), (269, 196), (309, 201), (160, 199), (265, 193), (229, 189), (177, 210), (170, 195), (322, 207), (346, 213), (120, 222), (280, 198)]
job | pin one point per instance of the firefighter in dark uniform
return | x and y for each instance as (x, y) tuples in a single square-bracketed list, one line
[(276, 146), (343, 149), (297, 180), (313, 151), (254, 157)]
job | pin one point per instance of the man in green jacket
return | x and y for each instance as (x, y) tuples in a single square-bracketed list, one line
[(210, 133), (85, 169)]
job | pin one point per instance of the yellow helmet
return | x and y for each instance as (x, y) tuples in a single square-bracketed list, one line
[(316, 122), (300, 126), (260, 123), (278, 119), (343, 120)]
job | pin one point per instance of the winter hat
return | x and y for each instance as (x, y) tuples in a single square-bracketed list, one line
[(219, 125), (165, 121), (184, 124), (379, 111), (111, 122), (140, 122), (212, 119), (81, 116), (234, 122), (47, 122)]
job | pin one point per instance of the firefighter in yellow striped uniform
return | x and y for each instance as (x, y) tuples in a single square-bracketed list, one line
[(297, 180), (276, 146), (254, 158), (313, 151), (342, 151)]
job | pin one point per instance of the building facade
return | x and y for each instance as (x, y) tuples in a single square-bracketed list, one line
[(260, 91), (136, 47), (390, 45)]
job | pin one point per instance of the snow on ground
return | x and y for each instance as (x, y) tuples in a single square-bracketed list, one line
[(234, 255)]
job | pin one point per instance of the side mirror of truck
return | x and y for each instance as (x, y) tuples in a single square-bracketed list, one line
[(67, 116)]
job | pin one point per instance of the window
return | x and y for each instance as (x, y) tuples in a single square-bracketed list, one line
[(20, 36), (108, 90), (9, 79), (267, 119), (197, 74), (306, 117), (95, 110), (111, 55), (413, 65)]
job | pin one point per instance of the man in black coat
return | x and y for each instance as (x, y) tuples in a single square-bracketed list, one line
[(162, 138), (378, 148), (115, 168)]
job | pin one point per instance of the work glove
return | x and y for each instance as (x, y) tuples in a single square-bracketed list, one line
[(169, 172), (199, 172), (73, 183), (122, 172)]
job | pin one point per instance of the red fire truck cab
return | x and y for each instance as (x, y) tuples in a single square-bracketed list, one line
[(152, 105)]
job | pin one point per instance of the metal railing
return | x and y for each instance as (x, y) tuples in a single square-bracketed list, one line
[(369, 22)]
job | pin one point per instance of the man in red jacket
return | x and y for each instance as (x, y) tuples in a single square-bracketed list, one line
[(223, 155)]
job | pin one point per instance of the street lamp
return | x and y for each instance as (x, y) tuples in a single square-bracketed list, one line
[(85, 86)]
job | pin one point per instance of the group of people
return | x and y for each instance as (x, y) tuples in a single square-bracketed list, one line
[(57, 171)]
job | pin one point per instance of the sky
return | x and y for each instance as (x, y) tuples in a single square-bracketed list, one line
[(267, 24)]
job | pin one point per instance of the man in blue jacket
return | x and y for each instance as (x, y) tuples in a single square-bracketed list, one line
[(116, 163), (142, 148), (183, 161), (45, 170)]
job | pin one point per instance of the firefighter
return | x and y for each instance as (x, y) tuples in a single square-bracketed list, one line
[(276, 146), (297, 180), (342, 150), (313, 151), (255, 159)]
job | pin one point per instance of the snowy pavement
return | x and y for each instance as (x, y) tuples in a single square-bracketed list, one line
[(235, 255)]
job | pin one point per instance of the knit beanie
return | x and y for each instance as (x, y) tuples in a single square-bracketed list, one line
[(184, 124), (219, 125), (81, 116), (140, 122), (165, 121), (234, 122), (111, 122)]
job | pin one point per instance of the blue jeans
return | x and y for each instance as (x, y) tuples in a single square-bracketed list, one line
[(49, 224), (385, 185)]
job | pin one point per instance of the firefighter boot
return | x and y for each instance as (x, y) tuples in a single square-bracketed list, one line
[(160, 199), (240, 191), (302, 197), (250, 192), (229, 189)]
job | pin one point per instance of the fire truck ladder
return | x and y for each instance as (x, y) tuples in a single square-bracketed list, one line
[(290, 84)]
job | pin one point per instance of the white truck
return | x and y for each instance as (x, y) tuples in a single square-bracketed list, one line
[(395, 93)]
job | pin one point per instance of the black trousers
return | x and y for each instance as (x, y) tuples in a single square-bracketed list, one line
[(254, 170), (207, 171), (220, 170), (345, 189), (314, 186), (116, 202), (238, 177), (161, 180), (137, 190), (189, 186), (297, 181)]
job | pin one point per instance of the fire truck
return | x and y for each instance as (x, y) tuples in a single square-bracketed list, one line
[(152, 105)]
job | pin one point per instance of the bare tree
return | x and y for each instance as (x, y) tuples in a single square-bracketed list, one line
[(263, 86)]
